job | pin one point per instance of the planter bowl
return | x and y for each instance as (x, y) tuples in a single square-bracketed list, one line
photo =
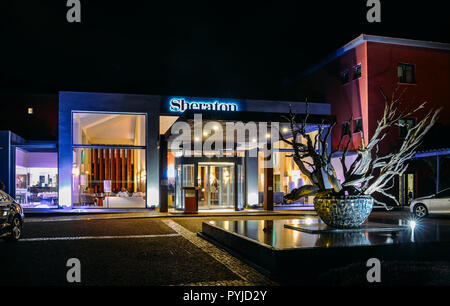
[(343, 211)]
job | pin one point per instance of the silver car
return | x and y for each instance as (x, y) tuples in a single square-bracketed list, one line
[(11, 218), (438, 203)]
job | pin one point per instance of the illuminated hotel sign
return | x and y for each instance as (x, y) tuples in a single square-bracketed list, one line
[(180, 105)]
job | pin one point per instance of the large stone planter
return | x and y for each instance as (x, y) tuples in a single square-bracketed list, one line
[(344, 211)]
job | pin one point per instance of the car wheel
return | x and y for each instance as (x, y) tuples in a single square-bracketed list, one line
[(16, 229), (420, 211)]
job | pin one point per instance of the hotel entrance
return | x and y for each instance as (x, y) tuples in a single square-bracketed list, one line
[(220, 182), (216, 182)]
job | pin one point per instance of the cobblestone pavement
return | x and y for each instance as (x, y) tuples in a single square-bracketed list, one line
[(220, 283), (249, 275)]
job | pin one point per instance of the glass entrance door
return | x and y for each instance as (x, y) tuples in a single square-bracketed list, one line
[(216, 182)]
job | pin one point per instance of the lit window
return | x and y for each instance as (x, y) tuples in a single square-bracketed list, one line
[(358, 126), (356, 72), (406, 73), (30, 111), (109, 129)]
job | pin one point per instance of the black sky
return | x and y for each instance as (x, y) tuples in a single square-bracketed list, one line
[(236, 49), (217, 48)]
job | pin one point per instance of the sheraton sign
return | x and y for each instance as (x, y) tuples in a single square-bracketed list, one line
[(180, 105)]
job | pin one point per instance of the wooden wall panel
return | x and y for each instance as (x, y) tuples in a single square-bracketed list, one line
[(113, 170), (118, 174), (101, 170), (124, 175), (107, 165), (95, 161), (129, 178)]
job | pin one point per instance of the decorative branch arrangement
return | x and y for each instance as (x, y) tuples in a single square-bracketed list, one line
[(368, 173)]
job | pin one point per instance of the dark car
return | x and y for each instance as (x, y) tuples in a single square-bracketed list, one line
[(11, 218)]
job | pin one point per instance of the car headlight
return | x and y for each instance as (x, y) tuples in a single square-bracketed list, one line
[(4, 213)]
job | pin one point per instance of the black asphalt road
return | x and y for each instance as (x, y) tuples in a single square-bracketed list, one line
[(159, 260), (131, 252)]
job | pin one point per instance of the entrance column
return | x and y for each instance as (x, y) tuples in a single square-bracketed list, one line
[(163, 187), (268, 177), (252, 167)]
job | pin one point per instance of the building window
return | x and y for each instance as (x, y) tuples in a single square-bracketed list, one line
[(109, 160), (345, 77), (30, 111), (345, 128), (358, 126), (405, 125), (108, 129), (36, 178), (357, 72), (406, 73)]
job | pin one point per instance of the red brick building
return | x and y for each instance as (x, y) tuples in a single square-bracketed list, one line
[(351, 78)]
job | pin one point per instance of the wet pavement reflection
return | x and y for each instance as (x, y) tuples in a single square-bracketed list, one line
[(274, 234)]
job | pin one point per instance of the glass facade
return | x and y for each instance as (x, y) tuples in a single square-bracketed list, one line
[(109, 178), (36, 179), (220, 182), (109, 160), (286, 174), (216, 182)]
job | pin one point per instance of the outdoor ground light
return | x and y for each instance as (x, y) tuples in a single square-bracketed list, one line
[(308, 221), (412, 224)]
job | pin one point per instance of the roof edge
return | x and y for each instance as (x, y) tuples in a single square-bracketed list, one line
[(377, 39)]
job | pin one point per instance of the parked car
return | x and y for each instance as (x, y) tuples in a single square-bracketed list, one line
[(11, 218), (438, 203)]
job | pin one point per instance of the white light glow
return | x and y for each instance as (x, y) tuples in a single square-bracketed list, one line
[(76, 171)]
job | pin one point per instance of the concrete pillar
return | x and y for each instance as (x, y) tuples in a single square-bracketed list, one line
[(152, 160), (252, 167), (163, 190), (268, 178)]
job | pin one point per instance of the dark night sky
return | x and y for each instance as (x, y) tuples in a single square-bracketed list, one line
[(217, 48)]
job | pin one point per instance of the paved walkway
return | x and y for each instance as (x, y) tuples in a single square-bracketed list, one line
[(49, 217)]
